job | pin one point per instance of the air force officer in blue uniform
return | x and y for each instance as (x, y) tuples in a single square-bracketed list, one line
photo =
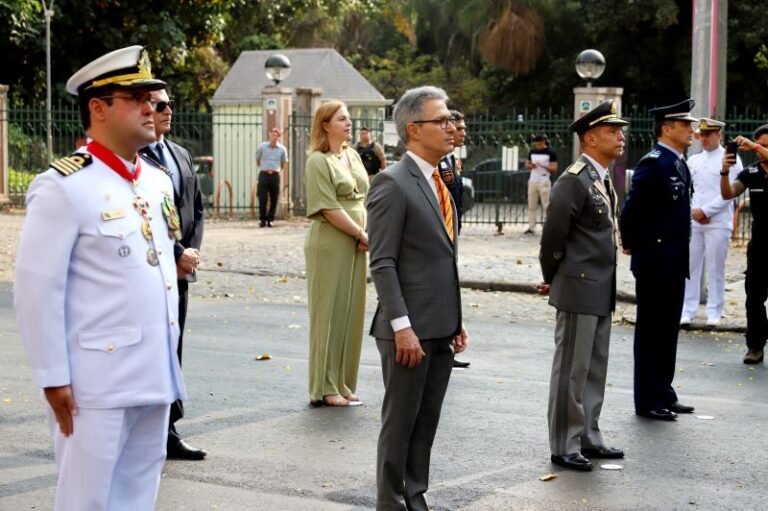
[(96, 296), (655, 229)]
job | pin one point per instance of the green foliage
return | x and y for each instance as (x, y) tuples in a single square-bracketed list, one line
[(28, 157), (19, 180), (395, 44)]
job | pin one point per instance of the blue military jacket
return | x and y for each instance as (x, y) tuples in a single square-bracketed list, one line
[(655, 221)]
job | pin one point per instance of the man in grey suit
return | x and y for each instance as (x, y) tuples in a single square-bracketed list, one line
[(188, 199), (413, 239), (578, 261)]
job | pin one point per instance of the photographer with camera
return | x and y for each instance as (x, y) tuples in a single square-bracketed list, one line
[(755, 179)]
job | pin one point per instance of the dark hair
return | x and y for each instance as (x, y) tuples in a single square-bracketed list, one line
[(84, 98), (658, 125), (457, 115), (759, 132), (540, 138)]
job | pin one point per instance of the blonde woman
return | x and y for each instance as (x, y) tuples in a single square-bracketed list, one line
[(335, 251)]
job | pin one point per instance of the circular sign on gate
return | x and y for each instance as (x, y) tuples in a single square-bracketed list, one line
[(271, 104), (585, 106)]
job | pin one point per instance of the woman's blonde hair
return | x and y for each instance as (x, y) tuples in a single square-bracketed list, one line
[(326, 111)]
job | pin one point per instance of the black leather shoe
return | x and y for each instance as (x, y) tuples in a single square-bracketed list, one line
[(573, 461), (679, 407), (262, 224), (181, 450), (661, 414), (456, 363), (269, 223), (605, 452), (753, 356)]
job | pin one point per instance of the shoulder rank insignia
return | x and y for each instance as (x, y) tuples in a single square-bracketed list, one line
[(653, 154), (576, 167), (72, 163)]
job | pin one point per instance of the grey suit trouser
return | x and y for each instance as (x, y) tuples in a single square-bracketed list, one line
[(577, 384), (409, 416)]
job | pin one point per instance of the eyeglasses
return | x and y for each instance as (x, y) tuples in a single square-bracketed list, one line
[(136, 97), (443, 123), (139, 98), (160, 106)]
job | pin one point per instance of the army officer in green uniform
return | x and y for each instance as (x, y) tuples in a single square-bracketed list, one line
[(578, 262)]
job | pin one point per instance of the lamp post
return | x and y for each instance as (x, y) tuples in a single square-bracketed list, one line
[(48, 13), (277, 68), (277, 106), (590, 65)]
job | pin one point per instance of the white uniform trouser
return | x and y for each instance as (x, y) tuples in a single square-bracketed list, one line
[(710, 245), (537, 190), (113, 459)]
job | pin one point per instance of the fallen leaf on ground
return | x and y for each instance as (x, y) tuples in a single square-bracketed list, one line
[(263, 356), (548, 477)]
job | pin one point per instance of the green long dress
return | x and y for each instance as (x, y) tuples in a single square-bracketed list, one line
[(336, 273)]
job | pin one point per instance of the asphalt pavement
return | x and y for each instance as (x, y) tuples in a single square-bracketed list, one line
[(268, 450)]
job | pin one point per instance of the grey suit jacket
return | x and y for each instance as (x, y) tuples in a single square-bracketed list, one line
[(189, 201), (412, 259), (578, 243)]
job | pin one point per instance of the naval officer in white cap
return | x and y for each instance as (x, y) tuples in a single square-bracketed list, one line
[(96, 297), (711, 223)]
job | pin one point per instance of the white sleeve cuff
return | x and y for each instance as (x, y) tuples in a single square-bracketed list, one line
[(400, 323)]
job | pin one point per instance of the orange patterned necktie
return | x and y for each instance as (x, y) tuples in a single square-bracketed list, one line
[(445, 202)]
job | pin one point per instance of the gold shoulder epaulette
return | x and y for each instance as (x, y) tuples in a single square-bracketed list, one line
[(576, 167), (72, 163)]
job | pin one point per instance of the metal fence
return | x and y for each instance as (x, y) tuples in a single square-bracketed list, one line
[(230, 138)]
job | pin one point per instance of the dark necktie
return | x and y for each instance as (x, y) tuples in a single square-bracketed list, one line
[(160, 154), (607, 183)]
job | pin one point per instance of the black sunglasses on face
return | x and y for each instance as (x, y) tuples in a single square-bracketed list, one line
[(160, 106)]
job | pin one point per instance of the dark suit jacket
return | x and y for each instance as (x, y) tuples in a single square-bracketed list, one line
[(656, 218), (578, 243), (412, 259), (189, 202)]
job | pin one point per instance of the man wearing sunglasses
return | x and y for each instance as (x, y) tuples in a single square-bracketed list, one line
[(188, 199), (96, 296)]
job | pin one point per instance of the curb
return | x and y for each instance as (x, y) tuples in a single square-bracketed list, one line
[(507, 287)]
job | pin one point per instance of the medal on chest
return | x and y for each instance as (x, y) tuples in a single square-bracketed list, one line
[(171, 217)]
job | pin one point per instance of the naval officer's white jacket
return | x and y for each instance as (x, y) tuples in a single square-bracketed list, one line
[(91, 310), (705, 172)]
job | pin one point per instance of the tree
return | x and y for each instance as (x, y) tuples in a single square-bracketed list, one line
[(82, 31)]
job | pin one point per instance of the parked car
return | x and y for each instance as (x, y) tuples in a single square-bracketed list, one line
[(204, 172), (491, 184), (467, 194)]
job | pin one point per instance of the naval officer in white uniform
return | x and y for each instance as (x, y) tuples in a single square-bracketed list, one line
[(96, 297), (711, 224)]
